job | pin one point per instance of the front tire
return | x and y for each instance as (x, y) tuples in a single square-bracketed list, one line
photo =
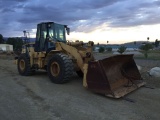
[(60, 68)]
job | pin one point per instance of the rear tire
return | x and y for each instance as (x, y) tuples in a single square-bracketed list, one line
[(23, 65), (60, 68)]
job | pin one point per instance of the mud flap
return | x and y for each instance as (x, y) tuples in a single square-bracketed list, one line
[(115, 76)]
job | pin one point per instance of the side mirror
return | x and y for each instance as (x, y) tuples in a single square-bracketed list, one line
[(68, 30)]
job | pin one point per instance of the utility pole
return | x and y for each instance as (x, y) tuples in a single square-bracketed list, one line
[(27, 36)]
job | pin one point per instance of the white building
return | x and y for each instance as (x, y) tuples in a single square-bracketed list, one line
[(6, 47)]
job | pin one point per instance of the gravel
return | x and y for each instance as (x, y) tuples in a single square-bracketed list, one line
[(36, 98)]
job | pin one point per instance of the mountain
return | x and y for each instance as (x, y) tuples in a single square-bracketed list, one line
[(135, 44)]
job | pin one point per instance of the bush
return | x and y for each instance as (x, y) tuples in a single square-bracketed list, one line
[(146, 48), (101, 49), (109, 49), (121, 49)]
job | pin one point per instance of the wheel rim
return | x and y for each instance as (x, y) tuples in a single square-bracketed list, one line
[(55, 69), (22, 65)]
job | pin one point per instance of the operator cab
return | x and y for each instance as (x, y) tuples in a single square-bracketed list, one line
[(48, 33)]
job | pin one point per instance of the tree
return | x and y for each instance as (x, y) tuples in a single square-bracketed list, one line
[(121, 49), (148, 38), (101, 49), (156, 43), (1, 39), (135, 42), (16, 42), (146, 48)]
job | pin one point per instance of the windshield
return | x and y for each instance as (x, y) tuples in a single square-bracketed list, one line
[(57, 32)]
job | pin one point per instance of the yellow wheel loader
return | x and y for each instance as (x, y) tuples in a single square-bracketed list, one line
[(114, 76)]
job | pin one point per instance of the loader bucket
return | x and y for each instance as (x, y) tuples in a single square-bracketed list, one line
[(114, 76)]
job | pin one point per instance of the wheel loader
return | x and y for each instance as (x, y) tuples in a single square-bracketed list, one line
[(113, 76)]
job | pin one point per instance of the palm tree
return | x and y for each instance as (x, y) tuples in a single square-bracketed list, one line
[(148, 39), (107, 42)]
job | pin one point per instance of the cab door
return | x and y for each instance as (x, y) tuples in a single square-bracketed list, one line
[(40, 37)]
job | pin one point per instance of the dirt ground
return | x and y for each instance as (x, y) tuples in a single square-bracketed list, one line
[(36, 98)]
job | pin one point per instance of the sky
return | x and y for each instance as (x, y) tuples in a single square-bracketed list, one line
[(116, 21)]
